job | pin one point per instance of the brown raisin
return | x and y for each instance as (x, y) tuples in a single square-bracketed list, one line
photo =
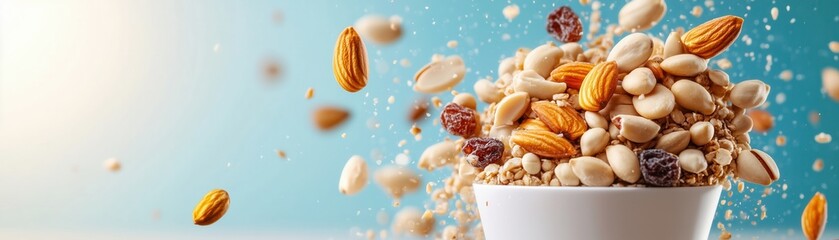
[(564, 25), (482, 151), (660, 168), (459, 120)]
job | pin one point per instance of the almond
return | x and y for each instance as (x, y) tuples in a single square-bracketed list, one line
[(439, 76), (533, 124), (211, 208), (329, 117), (814, 217), (712, 37), (349, 64), (563, 120), (598, 86), (544, 143), (571, 73)]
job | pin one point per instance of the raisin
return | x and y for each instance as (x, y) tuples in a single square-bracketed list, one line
[(564, 25), (459, 120), (660, 168), (482, 151)]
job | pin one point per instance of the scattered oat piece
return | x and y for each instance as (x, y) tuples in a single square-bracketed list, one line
[(452, 44), (391, 99), (415, 130), (271, 70), (697, 11), (405, 62), (830, 82), (762, 120), (584, 2), (310, 93), (823, 138), (402, 143), (740, 186), (436, 101), (728, 215), (785, 75), (112, 164), (371, 235), (834, 46), (724, 63), (281, 154), (774, 13), (511, 12), (781, 140), (818, 165), (343, 135)]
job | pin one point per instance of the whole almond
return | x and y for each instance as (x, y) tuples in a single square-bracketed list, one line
[(640, 15), (543, 143), (673, 44), (693, 160), (712, 37), (563, 120), (353, 176), (636, 129), (531, 82), (701, 133), (379, 29), (756, 166), (439, 76), (656, 104), (624, 163), (397, 180), (719, 77), (211, 208), (328, 117), (749, 93), (487, 91), (674, 142), (684, 65), (511, 108), (594, 141), (533, 124), (639, 81), (566, 175), (631, 51), (349, 64), (439, 155), (595, 120), (693, 96), (722, 157), (543, 59), (814, 217), (571, 74), (598, 86), (592, 171)]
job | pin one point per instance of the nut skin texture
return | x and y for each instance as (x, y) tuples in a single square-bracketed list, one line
[(543, 143), (571, 74), (757, 167), (349, 63), (624, 163), (814, 217), (533, 124), (592, 171), (563, 120), (749, 94), (211, 208), (598, 86), (712, 37), (353, 176)]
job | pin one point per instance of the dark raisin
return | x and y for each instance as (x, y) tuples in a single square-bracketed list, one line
[(459, 120), (482, 151), (564, 25), (660, 168)]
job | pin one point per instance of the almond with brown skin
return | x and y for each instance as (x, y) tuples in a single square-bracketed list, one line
[(211, 208), (329, 117), (598, 86), (563, 120), (544, 143), (349, 63), (712, 37), (814, 217), (571, 74), (533, 124)]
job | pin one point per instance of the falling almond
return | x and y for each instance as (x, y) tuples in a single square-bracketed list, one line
[(329, 117)]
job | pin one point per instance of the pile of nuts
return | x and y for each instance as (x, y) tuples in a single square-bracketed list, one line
[(644, 112)]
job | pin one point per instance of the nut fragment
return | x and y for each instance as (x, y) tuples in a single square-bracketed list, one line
[(692, 160), (624, 163), (511, 108), (814, 217), (572, 73), (566, 175), (636, 129), (656, 104), (439, 76), (693, 96), (543, 59), (674, 142), (594, 141), (640, 15), (639, 81), (712, 37), (631, 51), (487, 91), (439, 155), (756, 166), (543, 143), (532, 83), (354, 176), (349, 63), (749, 94), (701, 133), (563, 120), (211, 208), (684, 65), (598, 86), (592, 171), (329, 117), (397, 180)]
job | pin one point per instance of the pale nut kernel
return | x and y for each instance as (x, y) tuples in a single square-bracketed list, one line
[(511, 108), (674, 142), (592, 171), (701, 133), (531, 163), (628, 109), (379, 29), (640, 15), (410, 220), (749, 94), (673, 44), (501, 132), (756, 166), (692, 160), (532, 83), (506, 66), (687, 65), (566, 175), (594, 141), (830, 82), (639, 81), (636, 129), (466, 100), (693, 96), (439, 76), (722, 157), (487, 91), (543, 59), (719, 77), (742, 124), (396, 180), (438, 155), (595, 120), (571, 50), (353, 176), (656, 104), (624, 163), (631, 52)]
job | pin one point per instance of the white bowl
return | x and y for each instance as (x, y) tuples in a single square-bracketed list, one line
[(579, 213)]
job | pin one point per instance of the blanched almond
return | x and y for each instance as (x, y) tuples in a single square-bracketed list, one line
[(631, 51), (566, 175), (749, 94), (595, 120), (594, 141), (692, 160), (592, 171), (684, 65), (354, 176), (701, 133), (656, 104), (439, 155), (543, 59), (640, 15), (624, 163), (639, 81), (693, 96), (636, 129), (439, 76), (674, 142), (673, 45)]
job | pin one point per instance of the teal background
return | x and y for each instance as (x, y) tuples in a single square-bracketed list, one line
[(184, 119)]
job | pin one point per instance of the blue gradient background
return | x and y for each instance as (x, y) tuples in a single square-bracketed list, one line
[(83, 81)]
